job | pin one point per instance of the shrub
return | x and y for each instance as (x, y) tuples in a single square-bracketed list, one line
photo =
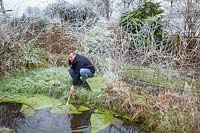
[(144, 21)]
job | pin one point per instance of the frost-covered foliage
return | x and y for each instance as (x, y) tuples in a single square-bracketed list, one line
[(144, 22), (17, 53), (72, 12), (107, 51), (147, 33)]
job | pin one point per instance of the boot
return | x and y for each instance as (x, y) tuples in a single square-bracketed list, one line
[(80, 82), (86, 86)]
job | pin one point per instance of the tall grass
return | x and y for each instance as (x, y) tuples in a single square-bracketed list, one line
[(163, 111)]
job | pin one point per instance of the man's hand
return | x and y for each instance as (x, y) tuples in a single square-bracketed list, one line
[(71, 89)]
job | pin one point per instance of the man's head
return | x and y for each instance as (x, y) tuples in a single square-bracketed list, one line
[(71, 56)]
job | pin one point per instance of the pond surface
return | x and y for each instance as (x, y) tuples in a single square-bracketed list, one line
[(44, 121)]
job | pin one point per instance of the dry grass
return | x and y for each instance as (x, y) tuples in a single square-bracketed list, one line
[(161, 111)]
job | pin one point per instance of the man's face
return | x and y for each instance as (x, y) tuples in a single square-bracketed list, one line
[(71, 57)]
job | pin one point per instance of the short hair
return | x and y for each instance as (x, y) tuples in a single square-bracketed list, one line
[(70, 51)]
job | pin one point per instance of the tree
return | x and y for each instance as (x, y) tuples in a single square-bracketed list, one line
[(107, 6), (184, 16), (191, 15), (71, 13), (33, 12), (102, 7), (146, 17), (184, 25)]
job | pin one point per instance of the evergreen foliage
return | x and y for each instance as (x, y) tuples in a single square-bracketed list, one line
[(142, 18)]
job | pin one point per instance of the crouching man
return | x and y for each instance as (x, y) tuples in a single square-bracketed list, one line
[(80, 69)]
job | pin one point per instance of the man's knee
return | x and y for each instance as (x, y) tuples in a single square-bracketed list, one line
[(85, 73)]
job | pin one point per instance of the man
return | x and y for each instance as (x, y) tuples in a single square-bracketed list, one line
[(80, 66)]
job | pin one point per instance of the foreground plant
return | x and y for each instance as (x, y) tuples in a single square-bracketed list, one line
[(162, 111)]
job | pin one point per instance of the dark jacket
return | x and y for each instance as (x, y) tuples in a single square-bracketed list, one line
[(78, 63)]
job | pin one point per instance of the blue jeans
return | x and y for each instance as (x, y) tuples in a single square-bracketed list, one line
[(84, 73)]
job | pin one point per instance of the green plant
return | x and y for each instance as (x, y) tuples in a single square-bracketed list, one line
[(42, 22), (144, 21), (35, 57), (6, 130), (51, 81)]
